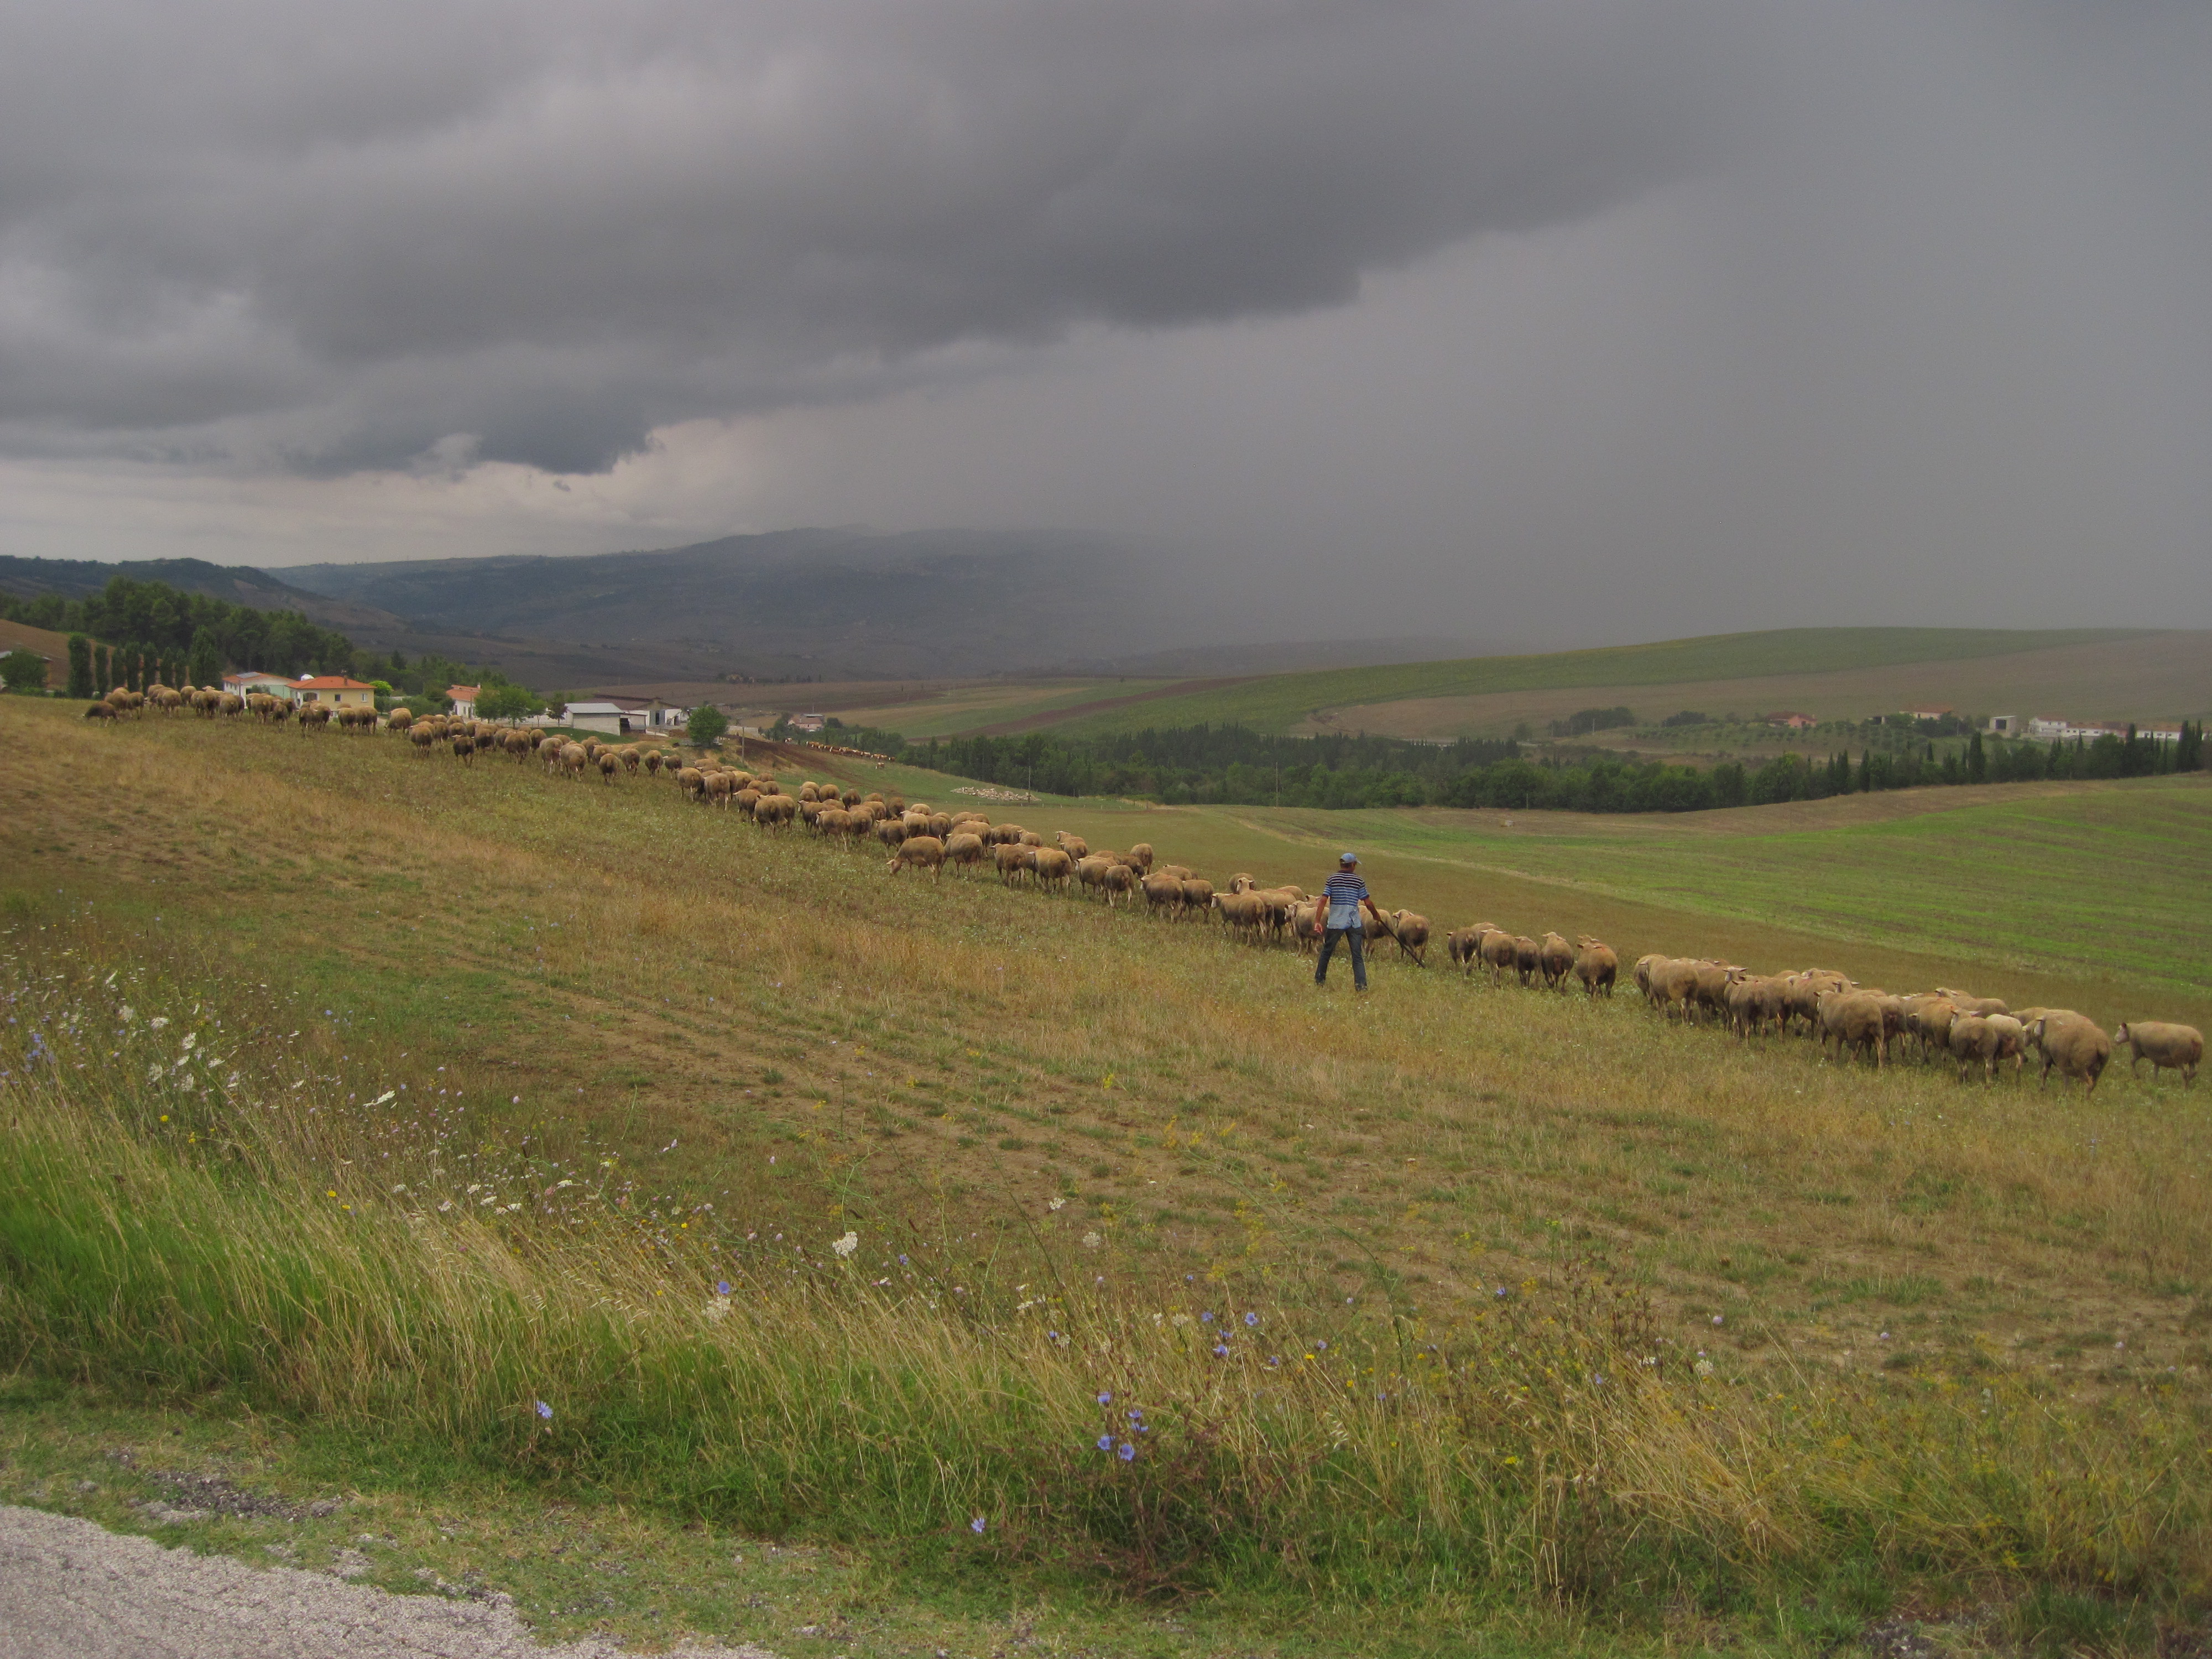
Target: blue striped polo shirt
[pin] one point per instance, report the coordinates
(1343, 890)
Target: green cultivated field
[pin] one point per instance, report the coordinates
(1282, 702)
(1570, 1329)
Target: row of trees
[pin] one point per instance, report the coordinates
(1229, 765)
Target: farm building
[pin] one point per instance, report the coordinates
(334, 691)
(1792, 720)
(465, 700)
(622, 716)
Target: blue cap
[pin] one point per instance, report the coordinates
(1348, 858)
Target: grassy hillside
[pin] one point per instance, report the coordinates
(1060, 1137)
(1285, 702)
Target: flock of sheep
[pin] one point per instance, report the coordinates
(1866, 1021)
(1847, 1018)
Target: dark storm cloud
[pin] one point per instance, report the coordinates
(340, 237)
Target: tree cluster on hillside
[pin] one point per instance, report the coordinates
(134, 633)
(1229, 765)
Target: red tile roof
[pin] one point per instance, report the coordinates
(331, 682)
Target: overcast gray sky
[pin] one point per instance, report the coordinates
(1564, 319)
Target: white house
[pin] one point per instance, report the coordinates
(465, 700)
(246, 684)
(2004, 726)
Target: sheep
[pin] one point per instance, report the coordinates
(1714, 978)
(100, 711)
(1973, 1005)
(1052, 867)
(1119, 881)
(2075, 1046)
(890, 831)
(1412, 932)
(1007, 835)
(691, 780)
(1163, 895)
(1928, 1020)
(1853, 1020)
(652, 762)
(314, 715)
(1596, 966)
(2167, 1046)
(610, 764)
(1528, 956)
(1012, 859)
(1140, 858)
(1554, 957)
(1989, 1038)
(1091, 873)
(776, 812)
(1075, 846)
(1241, 910)
(1197, 897)
(464, 748)
(1460, 944)
(922, 852)
(1673, 981)
(1180, 872)
(1500, 952)
(572, 761)
(1752, 1000)
(630, 760)
(964, 850)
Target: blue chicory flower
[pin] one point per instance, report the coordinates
(545, 1411)
(977, 1525)
(1105, 1442)
(1105, 1399)
(721, 1288)
(1129, 1451)
(1251, 1319)
(1222, 1349)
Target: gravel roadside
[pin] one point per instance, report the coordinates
(70, 1590)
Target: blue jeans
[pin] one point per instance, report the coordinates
(1355, 940)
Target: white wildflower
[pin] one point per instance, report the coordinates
(845, 1246)
(718, 1307)
(192, 1041)
(153, 1072)
(157, 1022)
(1704, 1368)
(1091, 1241)
(475, 1186)
(129, 1014)
(1055, 1202)
(385, 1098)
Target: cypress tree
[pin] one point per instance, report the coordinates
(80, 666)
(1978, 763)
(101, 668)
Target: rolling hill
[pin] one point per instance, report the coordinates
(1863, 670)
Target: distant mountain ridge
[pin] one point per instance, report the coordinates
(844, 602)
(76, 579)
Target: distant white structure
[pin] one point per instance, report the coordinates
(2004, 726)
(2058, 725)
(465, 700)
(809, 723)
(622, 717)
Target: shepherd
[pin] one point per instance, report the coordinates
(1337, 916)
